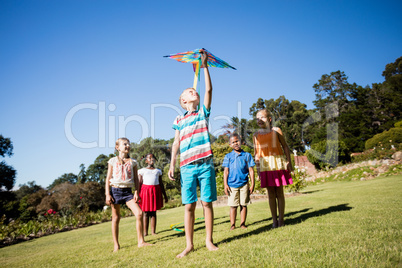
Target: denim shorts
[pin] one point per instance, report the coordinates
(122, 195)
(201, 173)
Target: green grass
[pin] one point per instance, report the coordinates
(335, 224)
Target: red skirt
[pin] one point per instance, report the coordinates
(151, 197)
(275, 178)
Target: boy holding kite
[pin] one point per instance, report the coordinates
(196, 159)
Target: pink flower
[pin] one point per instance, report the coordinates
(51, 211)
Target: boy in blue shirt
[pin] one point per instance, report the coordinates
(238, 166)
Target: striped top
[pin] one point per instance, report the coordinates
(194, 137)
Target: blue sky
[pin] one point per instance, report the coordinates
(76, 75)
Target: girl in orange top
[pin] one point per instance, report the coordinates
(272, 158)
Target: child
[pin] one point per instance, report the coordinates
(272, 157)
(196, 162)
(121, 177)
(238, 165)
(150, 192)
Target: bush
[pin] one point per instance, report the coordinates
(377, 153)
(299, 182)
(328, 153)
(385, 139)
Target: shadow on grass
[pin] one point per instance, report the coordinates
(311, 192)
(299, 219)
(286, 215)
(318, 213)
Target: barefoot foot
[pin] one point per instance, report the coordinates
(211, 246)
(185, 252)
(232, 227)
(116, 248)
(144, 244)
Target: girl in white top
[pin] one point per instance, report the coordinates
(151, 190)
(121, 177)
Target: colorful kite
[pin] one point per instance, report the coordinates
(194, 57)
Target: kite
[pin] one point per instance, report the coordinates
(194, 57)
(175, 228)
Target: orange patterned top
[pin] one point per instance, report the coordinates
(269, 150)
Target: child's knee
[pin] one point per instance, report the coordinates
(116, 218)
(207, 204)
(140, 214)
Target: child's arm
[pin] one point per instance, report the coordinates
(175, 149)
(136, 183)
(251, 175)
(286, 150)
(140, 182)
(109, 198)
(257, 157)
(208, 83)
(163, 189)
(225, 181)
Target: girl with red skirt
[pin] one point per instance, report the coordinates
(151, 191)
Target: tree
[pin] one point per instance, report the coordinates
(336, 105)
(6, 146)
(239, 126)
(7, 176)
(66, 177)
(92, 195)
(82, 175)
(289, 116)
(27, 189)
(98, 170)
(385, 100)
(159, 148)
(7, 173)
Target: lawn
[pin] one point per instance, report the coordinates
(334, 224)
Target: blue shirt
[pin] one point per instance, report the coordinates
(238, 165)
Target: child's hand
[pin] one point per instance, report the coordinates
(227, 190)
(136, 198)
(251, 189)
(166, 199)
(171, 174)
(109, 200)
(204, 58)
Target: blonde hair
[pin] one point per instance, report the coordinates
(117, 144)
(180, 98)
(266, 111)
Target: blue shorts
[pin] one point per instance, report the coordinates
(201, 173)
(122, 195)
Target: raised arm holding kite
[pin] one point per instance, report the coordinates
(194, 57)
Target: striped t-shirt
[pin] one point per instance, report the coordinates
(194, 136)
